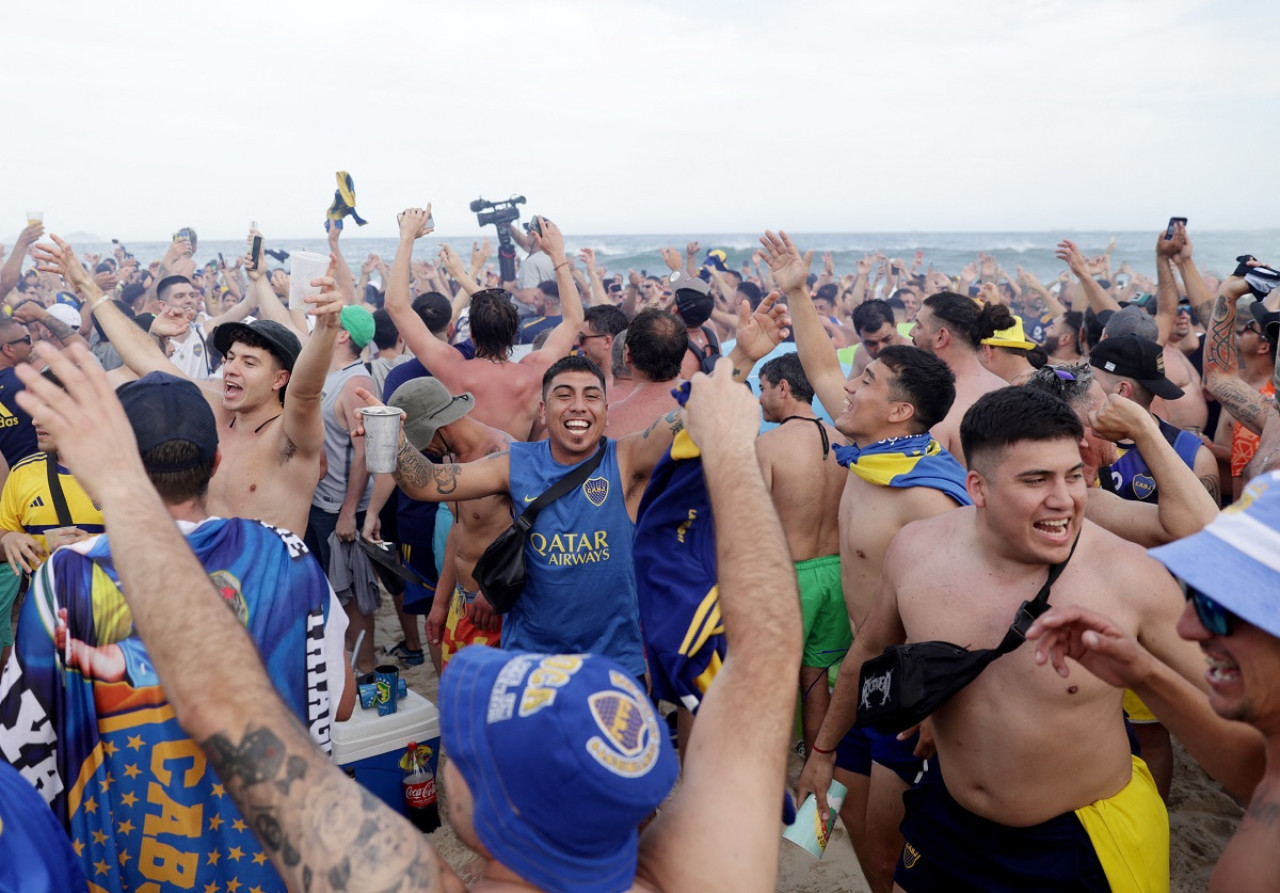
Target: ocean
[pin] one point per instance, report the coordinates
(1215, 251)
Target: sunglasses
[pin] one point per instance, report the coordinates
(1217, 620)
(1062, 373)
(583, 338)
(25, 339)
(1249, 327)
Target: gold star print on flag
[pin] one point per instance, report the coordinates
(219, 791)
(129, 798)
(239, 825)
(215, 822)
(214, 856)
(100, 837)
(132, 771)
(101, 868)
(135, 742)
(125, 827)
(233, 885)
(235, 853)
(124, 856)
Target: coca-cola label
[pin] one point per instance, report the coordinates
(420, 793)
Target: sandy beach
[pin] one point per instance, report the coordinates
(1202, 816)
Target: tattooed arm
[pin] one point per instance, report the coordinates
(1221, 369)
(321, 830)
(425, 481)
(638, 454)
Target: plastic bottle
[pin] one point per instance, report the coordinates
(420, 790)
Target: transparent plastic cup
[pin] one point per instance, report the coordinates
(303, 267)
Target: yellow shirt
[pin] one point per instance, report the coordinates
(26, 503)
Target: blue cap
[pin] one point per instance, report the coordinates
(718, 258)
(1236, 559)
(564, 756)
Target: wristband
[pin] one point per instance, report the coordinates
(817, 749)
(563, 263)
(98, 303)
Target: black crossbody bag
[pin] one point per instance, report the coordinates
(500, 571)
(904, 685)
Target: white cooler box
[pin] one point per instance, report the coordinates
(368, 747)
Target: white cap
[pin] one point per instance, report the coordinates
(65, 314)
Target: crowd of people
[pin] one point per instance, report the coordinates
(937, 448)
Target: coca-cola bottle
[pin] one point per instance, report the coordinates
(420, 789)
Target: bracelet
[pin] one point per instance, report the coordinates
(563, 263)
(98, 303)
(817, 749)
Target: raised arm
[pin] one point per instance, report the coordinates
(1099, 300)
(817, 353)
(138, 350)
(1166, 286)
(303, 424)
(1186, 504)
(430, 350)
(338, 267)
(11, 272)
(312, 821)
(565, 335)
(720, 832)
(1221, 365)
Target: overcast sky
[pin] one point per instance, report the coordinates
(132, 119)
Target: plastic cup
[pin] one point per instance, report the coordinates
(381, 438)
(34, 217)
(387, 680)
(303, 267)
(811, 831)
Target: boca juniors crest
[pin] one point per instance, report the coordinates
(629, 740)
(596, 490)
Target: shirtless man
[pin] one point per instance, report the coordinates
(951, 327)
(996, 736)
(902, 394)
(440, 425)
(657, 342)
(719, 832)
(1190, 410)
(271, 439)
(1230, 613)
(877, 328)
(601, 324)
(506, 393)
(806, 481)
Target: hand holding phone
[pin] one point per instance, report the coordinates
(1173, 223)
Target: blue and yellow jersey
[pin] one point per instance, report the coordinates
(95, 734)
(1130, 478)
(675, 553)
(17, 434)
(26, 503)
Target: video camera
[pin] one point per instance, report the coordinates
(500, 214)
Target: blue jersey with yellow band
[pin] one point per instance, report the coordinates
(1130, 478)
(17, 434)
(88, 725)
(675, 553)
(580, 587)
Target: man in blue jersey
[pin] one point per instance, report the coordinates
(83, 716)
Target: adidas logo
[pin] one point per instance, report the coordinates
(37, 502)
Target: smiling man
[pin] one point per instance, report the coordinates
(1095, 822)
(580, 592)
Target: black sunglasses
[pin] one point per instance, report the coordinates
(1212, 616)
(25, 339)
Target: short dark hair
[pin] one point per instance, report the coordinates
(787, 368)
(434, 310)
(572, 363)
(605, 319)
(169, 282)
(968, 321)
(385, 332)
(869, 316)
(177, 487)
(494, 323)
(1093, 324)
(751, 292)
(1002, 418)
(549, 288)
(658, 341)
(1072, 320)
(827, 292)
(922, 380)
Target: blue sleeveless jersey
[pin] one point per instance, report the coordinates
(1129, 476)
(100, 742)
(580, 588)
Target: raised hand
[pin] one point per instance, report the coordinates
(1069, 253)
(671, 258)
(413, 223)
(452, 263)
(691, 249)
(588, 257)
(61, 259)
(552, 239)
(1119, 419)
(790, 270)
(763, 330)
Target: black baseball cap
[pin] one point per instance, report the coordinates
(165, 409)
(1141, 359)
(1270, 321)
(280, 340)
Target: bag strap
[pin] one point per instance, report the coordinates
(562, 486)
(1031, 610)
(55, 490)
